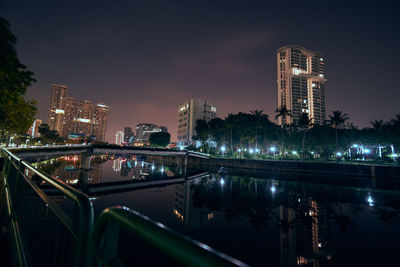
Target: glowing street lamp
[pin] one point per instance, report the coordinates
(272, 149)
(223, 148)
(251, 151)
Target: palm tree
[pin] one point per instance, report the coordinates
(396, 121)
(257, 116)
(283, 113)
(337, 119)
(304, 123)
(377, 126)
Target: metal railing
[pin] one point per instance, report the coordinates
(44, 234)
(179, 248)
(47, 231)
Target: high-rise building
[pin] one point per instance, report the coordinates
(188, 113)
(58, 101)
(69, 116)
(301, 83)
(144, 130)
(34, 129)
(100, 121)
(119, 137)
(129, 136)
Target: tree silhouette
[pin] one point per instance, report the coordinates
(337, 119)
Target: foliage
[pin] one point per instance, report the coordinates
(48, 136)
(16, 114)
(160, 139)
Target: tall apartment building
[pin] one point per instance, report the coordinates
(58, 101)
(144, 130)
(188, 113)
(301, 83)
(119, 137)
(68, 115)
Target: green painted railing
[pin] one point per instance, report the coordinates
(44, 233)
(179, 248)
(60, 231)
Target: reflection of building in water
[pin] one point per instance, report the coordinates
(304, 235)
(185, 212)
(117, 164)
(69, 170)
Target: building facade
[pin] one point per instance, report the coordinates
(119, 138)
(34, 129)
(70, 116)
(301, 83)
(188, 113)
(144, 130)
(129, 136)
(58, 102)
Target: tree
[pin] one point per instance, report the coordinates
(49, 136)
(16, 114)
(378, 126)
(160, 139)
(283, 113)
(216, 127)
(257, 117)
(337, 119)
(304, 123)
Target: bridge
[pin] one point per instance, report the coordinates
(44, 233)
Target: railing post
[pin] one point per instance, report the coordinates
(110, 244)
(84, 169)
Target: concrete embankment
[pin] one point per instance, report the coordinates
(324, 168)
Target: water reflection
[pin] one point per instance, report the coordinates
(98, 169)
(308, 216)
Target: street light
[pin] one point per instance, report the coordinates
(272, 149)
(251, 151)
(223, 148)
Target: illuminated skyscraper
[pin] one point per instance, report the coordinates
(301, 83)
(58, 101)
(188, 113)
(71, 116)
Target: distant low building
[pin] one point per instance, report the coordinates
(144, 130)
(34, 129)
(129, 136)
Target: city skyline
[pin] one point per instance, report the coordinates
(69, 116)
(170, 54)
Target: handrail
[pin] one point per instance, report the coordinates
(84, 206)
(181, 248)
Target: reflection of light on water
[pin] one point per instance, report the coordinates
(370, 201)
(273, 189)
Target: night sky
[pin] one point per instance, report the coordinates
(143, 58)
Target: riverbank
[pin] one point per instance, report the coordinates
(290, 166)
